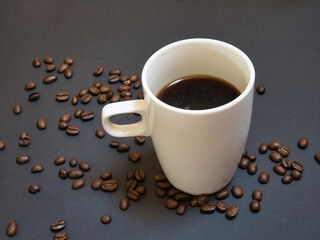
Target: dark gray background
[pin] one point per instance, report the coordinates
(280, 36)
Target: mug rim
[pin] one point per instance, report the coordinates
(223, 107)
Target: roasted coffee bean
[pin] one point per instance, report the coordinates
(98, 70)
(84, 166)
(182, 197)
(222, 194)
(317, 157)
(208, 208)
(140, 140)
(73, 162)
(34, 97)
(65, 117)
(83, 91)
(260, 89)
(296, 175)
(12, 229)
(297, 166)
(72, 131)
(17, 109)
(24, 139)
(284, 151)
(78, 112)
(63, 125)
(130, 175)
(137, 84)
(78, 184)
(68, 61)
(263, 148)
(100, 133)
(94, 90)
(102, 98)
(57, 225)
(37, 168)
(68, 73)
(86, 98)
(133, 194)
(22, 159)
(48, 60)
(132, 183)
(105, 89)
(279, 169)
(134, 77)
(127, 82)
(252, 168)
(245, 153)
(74, 100)
(75, 173)
(63, 173)
(244, 163)
(164, 185)
(109, 185)
(50, 79)
(2, 145)
(59, 160)
(252, 157)
(114, 143)
(232, 212)
(96, 184)
(115, 71)
(134, 157)
(141, 190)
(160, 178)
(161, 192)
(264, 177)
(140, 95)
(36, 62)
(173, 192)
(123, 147)
(126, 94)
(41, 124)
(97, 84)
(286, 179)
(87, 116)
(30, 85)
(50, 67)
(221, 206)
(34, 188)
(275, 157)
(181, 209)
(127, 98)
(257, 195)
(171, 203)
(105, 219)
(303, 143)
(63, 68)
(237, 191)
(255, 206)
(106, 175)
(124, 78)
(124, 204)
(24, 135)
(286, 163)
(274, 145)
(202, 199)
(139, 175)
(122, 88)
(60, 236)
(115, 98)
(62, 96)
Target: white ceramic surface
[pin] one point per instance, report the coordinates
(199, 150)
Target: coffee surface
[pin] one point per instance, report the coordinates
(198, 92)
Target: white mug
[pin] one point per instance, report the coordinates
(198, 150)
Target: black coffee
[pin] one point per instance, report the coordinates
(198, 92)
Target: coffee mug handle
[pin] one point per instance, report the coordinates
(140, 128)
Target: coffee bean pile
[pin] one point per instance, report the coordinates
(134, 191)
(56, 227)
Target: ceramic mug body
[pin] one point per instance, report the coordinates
(199, 150)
